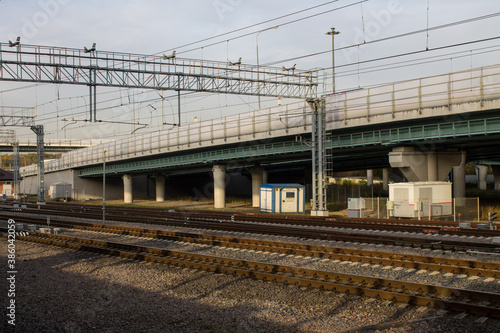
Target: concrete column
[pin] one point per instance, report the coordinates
(385, 178)
(432, 167)
(496, 175)
(127, 188)
(265, 176)
(459, 178)
(369, 177)
(160, 187)
(417, 166)
(482, 173)
(219, 186)
(257, 180)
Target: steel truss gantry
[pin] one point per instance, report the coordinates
(17, 116)
(9, 137)
(25, 117)
(34, 63)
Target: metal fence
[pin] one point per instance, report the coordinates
(375, 203)
(466, 210)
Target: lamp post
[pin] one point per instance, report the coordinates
(257, 50)
(103, 186)
(333, 32)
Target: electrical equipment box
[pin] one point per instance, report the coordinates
(420, 199)
(355, 207)
(282, 198)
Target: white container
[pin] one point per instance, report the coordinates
(282, 198)
(420, 199)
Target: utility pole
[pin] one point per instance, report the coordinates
(333, 32)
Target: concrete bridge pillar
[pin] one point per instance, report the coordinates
(219, 186)
(482, 173)
(369, 177)
(160, 187)
(127, 188)
(265, 176)
(257, 180)
(459, 178)
(418, 166)
(496, 175)
(385, 179)
(432, 167)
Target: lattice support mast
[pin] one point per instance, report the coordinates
(17, 179)
(38, 129)
(318, 204)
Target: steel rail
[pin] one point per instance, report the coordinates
(300, 232)
(443, 227)
(455, 266)
(454, 299)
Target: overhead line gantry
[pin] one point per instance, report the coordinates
(92, 67)
(46, 64)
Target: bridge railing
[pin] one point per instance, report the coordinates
(441, 91)
(398, 101)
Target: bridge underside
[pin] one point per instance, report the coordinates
(289, 160)
(32, 148)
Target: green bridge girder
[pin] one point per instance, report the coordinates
(249, 153)
(425, 132)
(296, 150)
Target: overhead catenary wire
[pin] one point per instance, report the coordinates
(406, 34)
(247, 27)
(368, 42)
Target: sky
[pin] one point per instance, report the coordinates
(161, 26)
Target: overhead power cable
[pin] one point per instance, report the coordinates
(249, 26)
(281, 24)
(448, 25)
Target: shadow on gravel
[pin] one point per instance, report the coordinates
(82, 292)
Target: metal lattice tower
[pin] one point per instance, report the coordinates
(38, 129)
(17, 179)
(318, 204)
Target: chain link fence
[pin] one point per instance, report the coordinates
(466, 210)
(375, 203)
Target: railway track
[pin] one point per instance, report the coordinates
(468, 267)
(454, 299)
(283, 230)
(118, 213)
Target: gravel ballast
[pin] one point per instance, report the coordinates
(58, 290)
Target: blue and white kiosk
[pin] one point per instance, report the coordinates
(282, 198)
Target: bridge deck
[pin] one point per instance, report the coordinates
(452, 97)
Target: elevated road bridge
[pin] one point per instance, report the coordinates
(424, 127)
(54, 146)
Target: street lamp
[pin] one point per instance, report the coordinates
(103, 186)
(257, 49)
(333, 32)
